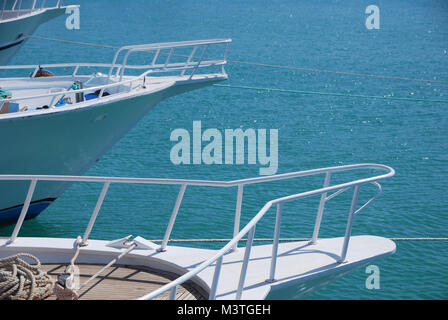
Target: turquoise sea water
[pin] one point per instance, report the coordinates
(314, 131)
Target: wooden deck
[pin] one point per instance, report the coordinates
(123, 282)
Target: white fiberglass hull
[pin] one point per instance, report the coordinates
(13, 31)
(67, 142)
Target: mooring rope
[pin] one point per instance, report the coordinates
(293, 239)
(72, 42)
(328, 93)
(66, 288)
(336, 72)
(129, 249)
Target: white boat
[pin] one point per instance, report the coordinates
(17, 23)
(63, 124)
(138, 268)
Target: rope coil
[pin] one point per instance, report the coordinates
(20, 280)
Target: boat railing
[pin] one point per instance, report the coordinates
(17, 9)
(156, 50)
(326, 193)
(191, 63)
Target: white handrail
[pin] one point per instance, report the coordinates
(21, 11)
(212, 183)
(159, 46)
(150, 69)
(248, 227)
(251, 224)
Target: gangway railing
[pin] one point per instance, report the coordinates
(327, 192)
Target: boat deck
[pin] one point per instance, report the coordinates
(298, 265)
(122, 282)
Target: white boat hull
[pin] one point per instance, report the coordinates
(68, 143)
(13, 31)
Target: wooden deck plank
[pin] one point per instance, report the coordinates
(123, 282)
